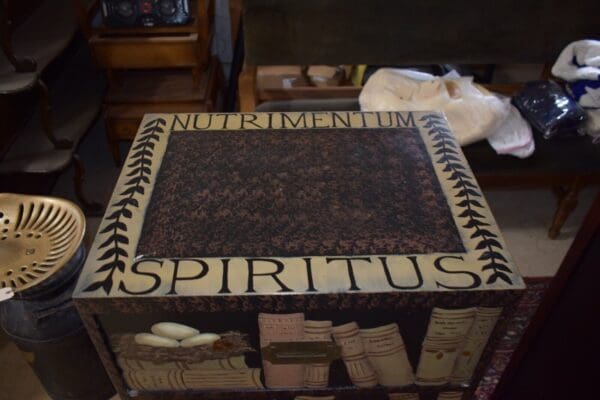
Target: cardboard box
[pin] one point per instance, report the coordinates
(338, 254)
(280, 77)
(326, 75)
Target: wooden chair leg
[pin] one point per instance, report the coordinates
(247, 89)
(91, 208)
(567, 202)
(46, 117)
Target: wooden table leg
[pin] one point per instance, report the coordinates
(567, 201)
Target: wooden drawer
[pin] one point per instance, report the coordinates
(149, 51)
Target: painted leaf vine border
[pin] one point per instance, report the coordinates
(446, 149)
(112, 250)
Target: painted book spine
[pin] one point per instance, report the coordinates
(281, 328)
(359, 368)
(386, 352)
(445, 335)
(476, 340)
(317, 375)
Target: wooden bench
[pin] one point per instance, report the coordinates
(383, 32)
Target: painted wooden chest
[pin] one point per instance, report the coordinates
(297, 256)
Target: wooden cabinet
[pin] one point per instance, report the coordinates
(340, 255)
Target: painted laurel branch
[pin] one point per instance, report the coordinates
(112, 249)
(467, 195)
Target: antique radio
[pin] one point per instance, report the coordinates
(123, 13)
(315, 255)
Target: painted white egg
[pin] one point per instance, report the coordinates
(149, 339)
(201, 339)
(173, 330)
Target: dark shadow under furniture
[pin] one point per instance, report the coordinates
(558, 355)
(34, 52)
(384, 32)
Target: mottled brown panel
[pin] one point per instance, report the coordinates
(294, 193)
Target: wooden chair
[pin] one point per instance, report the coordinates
(47, 144)
(381, 32)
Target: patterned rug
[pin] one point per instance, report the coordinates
(536, 288)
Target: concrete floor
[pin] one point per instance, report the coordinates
(523, 216)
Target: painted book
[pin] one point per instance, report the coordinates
(359, 367)
(474, 343)
(317, 375)
(386, 351)
(281, 328)
(445, 335)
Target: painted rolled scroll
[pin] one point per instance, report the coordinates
(444, 338)
(386, 352)
(317, 375)
(281, 328)
(359, 368)
(478, 336)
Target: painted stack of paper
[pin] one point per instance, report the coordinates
(353, 251)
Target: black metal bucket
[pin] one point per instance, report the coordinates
(46, 327)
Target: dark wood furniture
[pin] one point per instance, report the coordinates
(154, 91)
(558, 355)
(180, 46)
(407, 33)
(259, 227)
(157, 69)
(46, 145)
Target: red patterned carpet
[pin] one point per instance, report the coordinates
(536, 287)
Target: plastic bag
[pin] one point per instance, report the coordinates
(513, 136)
(592, 125)
(549, 109)
(472, 114)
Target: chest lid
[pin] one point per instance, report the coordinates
(288, 203)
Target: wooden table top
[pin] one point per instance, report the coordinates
(296, 202)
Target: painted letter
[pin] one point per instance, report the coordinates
(439, 267)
